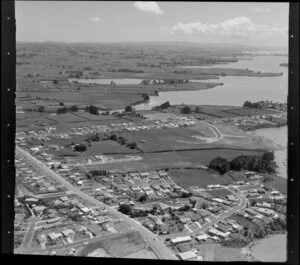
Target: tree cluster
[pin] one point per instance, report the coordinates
(80, 148)
(92, 110)
(249, 104)
(264, 163)
(186, 110)
(65, 109)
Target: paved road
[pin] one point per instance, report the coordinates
(159, 248)
(29, 234)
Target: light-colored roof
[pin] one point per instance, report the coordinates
(187, 255)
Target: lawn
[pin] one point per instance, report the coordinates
(201, 178)
(108, 146)
(66, 118)
(220, 193)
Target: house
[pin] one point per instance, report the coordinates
(185, 220)
(202, 237)
(230, 197)
(188, 255)
(218, 233)
(68, 232)
(54, 236)
(164, 207)
(251, 212)
(145, 175)
(224, 228)
(182, 239)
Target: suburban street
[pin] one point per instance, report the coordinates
(243, 202)
(150, 238)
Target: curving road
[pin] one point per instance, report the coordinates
(159, 248)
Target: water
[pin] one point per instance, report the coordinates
(258, 63)
(278, 136)
(118, 81)
(272, 249)
(236, 89)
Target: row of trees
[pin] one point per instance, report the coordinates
(249, 104)
(262, 164)
(121, 140)
(65, 110)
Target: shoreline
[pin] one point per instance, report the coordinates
(248, 250)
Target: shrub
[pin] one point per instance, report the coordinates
(80, 148)
(186, 110)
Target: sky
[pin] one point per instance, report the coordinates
(254, 23)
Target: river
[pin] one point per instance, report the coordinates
(271, 249)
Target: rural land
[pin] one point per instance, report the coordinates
(96, 176)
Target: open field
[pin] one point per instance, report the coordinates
(216, 252)
(155, 161)
(220, 193)
(108, 146)
(196, 177)
(117, 246)
(142, 254)
(250, 111)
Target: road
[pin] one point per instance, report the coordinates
(159, 248)
(29, 234)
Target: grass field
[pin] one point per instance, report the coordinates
(108, 146)
(118, 246)
(172, 160)
(220, 193)
(193, 177)
(250, 111)
(244, 222)
(216, 252)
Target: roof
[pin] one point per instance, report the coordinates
(187, 255)
(181, 239)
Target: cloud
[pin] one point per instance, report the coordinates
(261, 9)
(95, 19)
(151, 7)
(239, 27)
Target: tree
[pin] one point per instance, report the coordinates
(125, 208)
(128, 109)
(61, 110)
(95, 137)
(186, 110)
(145, 96)
(198, 109)
(220, 164)
(80, 148)
(92, 109)
(113, 137)
(61, 104)
(269, 156)
(142, 198)
(132, 145)
(74, 108)
(41, 109)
